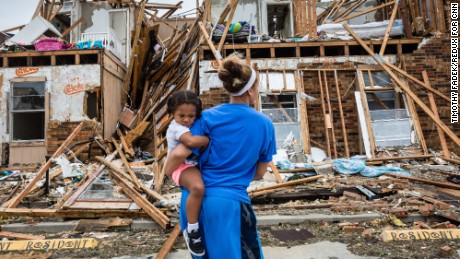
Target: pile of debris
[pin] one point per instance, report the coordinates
(128, 182)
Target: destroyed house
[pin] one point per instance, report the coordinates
(323, 88)
(338, 79)
(65, 66)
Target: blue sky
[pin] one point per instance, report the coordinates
(18, 12)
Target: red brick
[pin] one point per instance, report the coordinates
(352, 229)
(446, 250)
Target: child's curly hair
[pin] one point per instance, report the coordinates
(184, 97)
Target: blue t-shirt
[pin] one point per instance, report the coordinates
(239, 137)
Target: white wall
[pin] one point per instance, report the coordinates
(247, 10)
(65, 85)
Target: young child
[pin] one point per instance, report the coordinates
(185, 107)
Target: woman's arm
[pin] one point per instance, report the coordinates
(175, 159)
(261, 169)
(193, 141)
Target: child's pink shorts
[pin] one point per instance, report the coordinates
(176, 173)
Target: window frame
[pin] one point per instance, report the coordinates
(12, 112)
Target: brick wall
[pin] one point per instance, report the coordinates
(434, 58)
(315, 113)
(214, 97)
(58, 132)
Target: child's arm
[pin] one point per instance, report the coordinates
(175, 159)
(193, 141)
(261, 169)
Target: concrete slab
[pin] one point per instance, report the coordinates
(320, 250)
(147, 224)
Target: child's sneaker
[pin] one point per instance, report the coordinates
(194, 243)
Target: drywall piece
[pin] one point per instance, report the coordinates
(362, 125)
(32, 31)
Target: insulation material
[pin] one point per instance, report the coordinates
(276, 81)
(364, 31)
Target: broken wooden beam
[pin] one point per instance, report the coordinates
(435, 183)
(15, 201)
(141, 201)
(125, 162)
(117, 170)
(399, 158)
(269, 189)
(406, 90)
(71, 213)
(168, 244)
(13, 235)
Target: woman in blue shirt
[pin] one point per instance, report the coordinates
(242, 142)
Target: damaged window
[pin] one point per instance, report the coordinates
(283, 111)
(27, 111)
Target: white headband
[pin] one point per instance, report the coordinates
(248, 85)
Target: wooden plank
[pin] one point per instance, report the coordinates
(405, 19)
(38, 9)
(329, 107)
(390, 26)
(455, 161)
(68, 201)
(14, 235)
(143, 187)
(27, 256)
(68, 30)
(410, 235)
(49, 244)
(70, 214)
(15, 201)
(128, 149)
(281, 108)
(432, 8)
(396, 158)
(137, 33)
(323, 108)
(100, 225)
(276, 172)
(168, 244)
(14, 28)
(216, 54)
(418, 127)
(377, 100)
(125, 162)
(440, 15)
(342, 118)
(434, 108)
(427, 110)
(227, 26)
(427, 87)
(423, 180)
(268, 189)
(151, 210)
(91, 205)
(305, 130)
(50, 10)
(300, 16)
(140, 200)
(367, 114)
